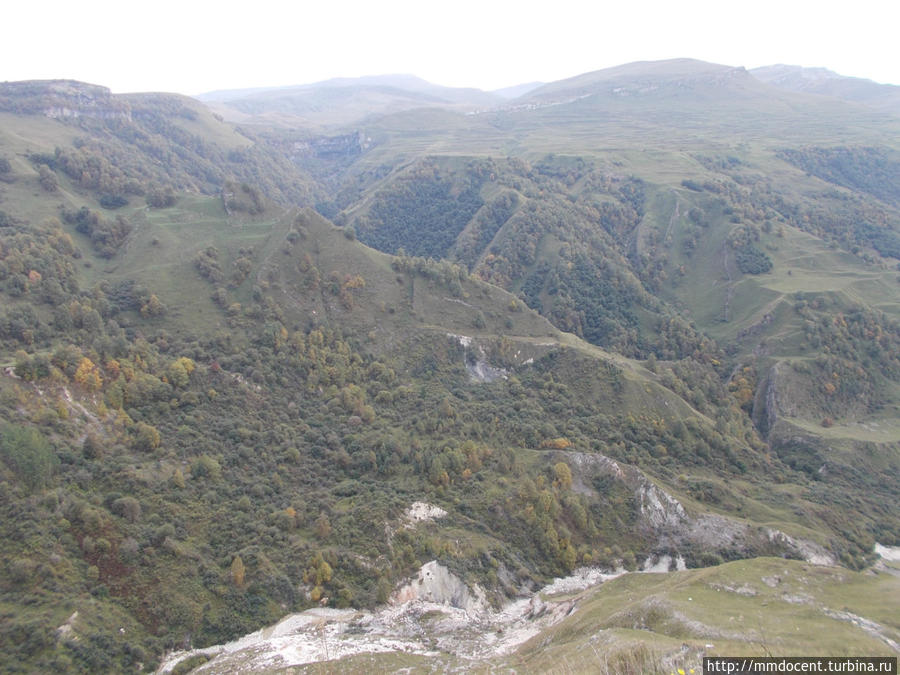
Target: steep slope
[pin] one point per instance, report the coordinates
(624, 215)
(127, 146)
(198, 467)
(652, 622)
(215, 410)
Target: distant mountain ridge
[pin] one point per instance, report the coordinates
(517, 90)
(826, 82)
(344, 100)
(642, 76)
(349, 100)
(400, 82)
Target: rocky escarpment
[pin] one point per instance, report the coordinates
(61, 99)
(665, 520)
(765, 402)
(332, 147)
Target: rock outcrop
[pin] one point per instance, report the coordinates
(436, 584)
(664, 518)
(61, 99)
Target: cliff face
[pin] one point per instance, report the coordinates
(61, 99)
(333, 147)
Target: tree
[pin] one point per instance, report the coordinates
(323, 526)
(563, 475)
(92, 446)
(146, 437)
(153, 307)
(87, 375)
(47, 178)
(569, 556)
(237, 571)
(161, 198)
(179, 373)
(29, 454)
(128, 508)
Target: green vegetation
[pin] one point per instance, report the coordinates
(424, 214)
(216, 406)
(751, 260)
(875, 171)
(28, 454)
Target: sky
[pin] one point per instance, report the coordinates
(195, 46)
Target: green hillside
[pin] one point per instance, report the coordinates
(591, 330)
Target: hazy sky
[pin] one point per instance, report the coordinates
(193, 46)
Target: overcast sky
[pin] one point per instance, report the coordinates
(193, 46)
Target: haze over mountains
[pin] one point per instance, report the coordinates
(346, 100)
(827, 83)
(393, 356)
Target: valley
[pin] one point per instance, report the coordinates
(272, 359)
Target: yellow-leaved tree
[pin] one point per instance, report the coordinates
(87, 375)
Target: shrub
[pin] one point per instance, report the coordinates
(145, 438)
(751, 260)
(113, 201)
(128, 508)
(47, 178)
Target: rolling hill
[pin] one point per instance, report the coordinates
(644, 312)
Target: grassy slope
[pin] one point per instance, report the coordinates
(755, 608)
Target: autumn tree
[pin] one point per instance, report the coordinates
(178, 373)
(563, 475)
(153, 307)
(88, 375)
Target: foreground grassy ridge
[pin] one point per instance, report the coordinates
(756, 607)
